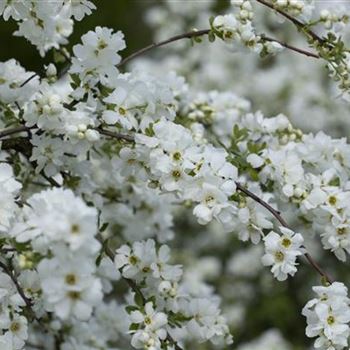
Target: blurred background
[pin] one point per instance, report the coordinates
(263, 313)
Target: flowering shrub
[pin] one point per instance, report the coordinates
(102, 170)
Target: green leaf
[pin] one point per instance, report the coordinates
(138, 299)
(130, 308)
(98, 260)
(104, 227)
(76, 80)
(211, 37)
(134, 327)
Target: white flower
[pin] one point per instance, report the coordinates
(46, 111)
(80, 8)
(57, 215)
(98, 56)
(124, 103)
(150, 319)
(69, 286)
(136, 261)
(255, 161)
(6, 341)
(18, 331)
(211, 201)
(227, 25)
(206, 322)
(152, 327)
(161, 269)
(328, 317)
(281, 252)
(252, 219)
(12, 76)
(9, 188)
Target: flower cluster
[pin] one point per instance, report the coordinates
(126, 158)
(238, 29)
(199, 173)
(45, 24)
(328, 317)
(68, 231)
(297, 8)
(172, 309)
(14, 325)
(12, 77)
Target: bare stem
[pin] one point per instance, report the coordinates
(189, 35)
(115, 135)
(15, 130)
(292, 48)
(29, 79)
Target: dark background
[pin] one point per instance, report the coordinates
(124, 15)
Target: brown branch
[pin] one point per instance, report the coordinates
(15, 130)
(49, 179)
(29, 79)
(300, 25)
(290, 47)
(278, 216)
(11, 274)
(189, 35)
(115, 135)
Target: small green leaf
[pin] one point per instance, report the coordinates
(130, 308)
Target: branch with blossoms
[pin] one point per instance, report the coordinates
(121, 156)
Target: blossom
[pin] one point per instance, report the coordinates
(9, 189)
(12, 76)
(328, 316)
(281, 252)
(80, 8)
(72, 290)
(18, 331)
(98, 55)
(57, 215)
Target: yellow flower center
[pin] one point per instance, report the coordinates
(176, 174)
(332, 200)
(71, 279)
(177, 156)
(133, 260)
(286, 242)
(279, 256)
(15, 327)
(122, 111)
(74, 295)
(330, 320)
(341, 231)
(75, 229)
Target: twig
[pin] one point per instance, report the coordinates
(115, 135)
(290, 47)
(49, 179)
(9, 272)
(15, 130)
(29, 79)
(278, 216)
(300, 25)
(189, 35)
